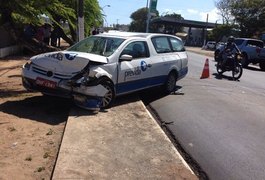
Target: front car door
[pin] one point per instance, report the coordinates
(137, 73)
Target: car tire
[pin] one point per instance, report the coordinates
(262, 65)
(110, 95)
(170, 84)
(244, 60)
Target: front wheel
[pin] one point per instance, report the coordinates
(219, 67)
(237, 71)
(110, 95)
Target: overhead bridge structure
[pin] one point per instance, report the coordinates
(190, 39)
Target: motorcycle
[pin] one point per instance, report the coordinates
(232, 64)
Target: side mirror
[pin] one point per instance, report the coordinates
(126, 57)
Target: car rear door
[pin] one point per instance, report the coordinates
(170, 55)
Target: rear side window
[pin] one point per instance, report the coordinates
(164, 44)
(161, 44)
(253, 43)
(177, 45)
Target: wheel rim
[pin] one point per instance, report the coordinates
(108, 97)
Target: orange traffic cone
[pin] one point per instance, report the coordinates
(205, 71)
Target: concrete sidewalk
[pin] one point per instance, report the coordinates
(124, 142)
(201, 51)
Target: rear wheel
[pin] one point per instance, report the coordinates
(170, 84)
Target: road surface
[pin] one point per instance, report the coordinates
(219, 122)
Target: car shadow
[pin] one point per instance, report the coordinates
(150, 95)
(46, 109)
(54, 110)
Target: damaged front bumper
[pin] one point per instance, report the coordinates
(86, 93)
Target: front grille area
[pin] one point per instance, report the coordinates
(56, 75)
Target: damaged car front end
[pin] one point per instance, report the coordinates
(72, 74)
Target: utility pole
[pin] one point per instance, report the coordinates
(81, 31)
(117, 24)
(148, 17)
(205, 32)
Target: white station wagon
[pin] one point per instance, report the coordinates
(97, 69)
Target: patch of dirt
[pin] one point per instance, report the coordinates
(31, 125)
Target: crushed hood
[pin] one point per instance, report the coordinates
(66, 61)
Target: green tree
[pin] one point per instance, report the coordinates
(17, 13)
(139, 19)
(172, 29)
(224, 10)
(248, 14)
(221, 31)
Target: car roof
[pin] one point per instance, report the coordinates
(127, 35)
(249, 39)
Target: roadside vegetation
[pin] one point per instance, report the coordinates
(61, 15)
(241, 18)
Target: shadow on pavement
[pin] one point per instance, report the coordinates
(50, 110)
(55, 110)
(151, 95)
(222, 76)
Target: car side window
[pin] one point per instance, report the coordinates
(177, 45)
(161, 44)
(138, 49)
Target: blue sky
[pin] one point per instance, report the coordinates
(120, 10)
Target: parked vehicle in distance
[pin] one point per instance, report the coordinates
(108, 65)
(210, 45)
(250, 49)
(219, 44)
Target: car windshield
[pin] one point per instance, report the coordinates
(104, 46)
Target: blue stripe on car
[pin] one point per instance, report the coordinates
(139, 84)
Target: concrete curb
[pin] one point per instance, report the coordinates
(166, 137)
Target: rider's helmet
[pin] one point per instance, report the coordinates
(231, 39)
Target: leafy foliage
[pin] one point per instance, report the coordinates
(18, 13)
(248, 14)
(172, 29)
(221, 31)
(139, 19)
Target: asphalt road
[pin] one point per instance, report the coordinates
(219, 122)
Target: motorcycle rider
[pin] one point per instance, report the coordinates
(229, 49)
